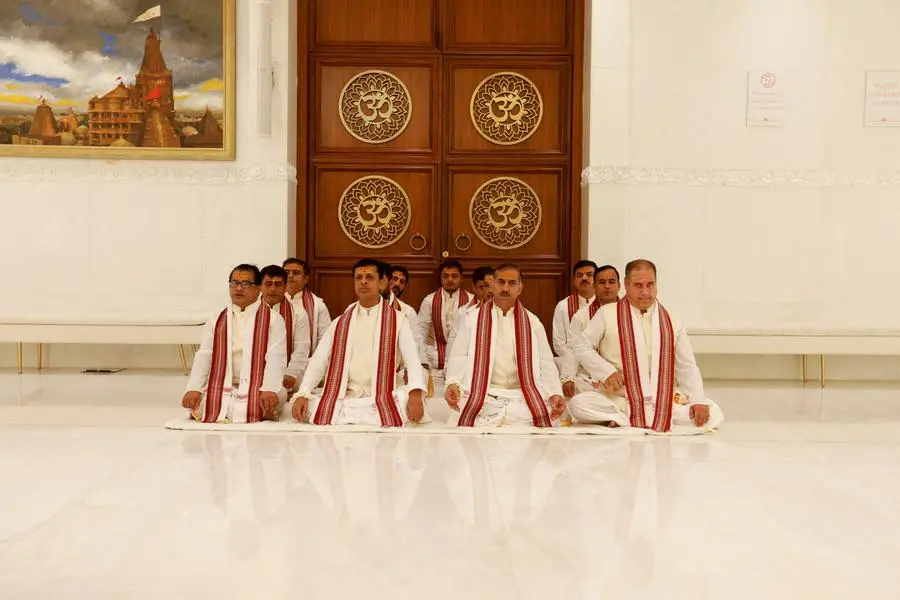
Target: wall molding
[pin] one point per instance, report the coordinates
(148, 173)
(768, 178)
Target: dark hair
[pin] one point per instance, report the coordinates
(370, 262)
(384, 270)
(582, 264)
(273, 271)
(257, 278)
(640, 263)
(401, 268)
(481, 273)
(606, 268)
(509, 267)
(297, 261)
(451, 264)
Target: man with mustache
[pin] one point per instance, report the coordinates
(641, 361)
(298, 292)
(296, 326)
(583, 284)
(435, 319)
(238, 371)
(606, 291)
(358, 359)
(501, 371)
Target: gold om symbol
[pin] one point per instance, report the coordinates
(374, 212)
(508, 212)
(375, 106)
(507, 108)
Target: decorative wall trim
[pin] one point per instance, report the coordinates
(771, 178)
(207, 174)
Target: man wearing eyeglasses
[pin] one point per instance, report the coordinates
(301, 297)
(238, 371)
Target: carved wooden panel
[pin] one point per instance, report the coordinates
(376, 107)
(425, 169)
(508, 107)
(365, 211)
(544, 26)
(509, 214)
(375, 22)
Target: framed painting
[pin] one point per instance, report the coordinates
(118, 79)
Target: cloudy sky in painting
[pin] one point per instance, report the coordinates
(70, 50)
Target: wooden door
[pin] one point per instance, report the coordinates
(435, 129)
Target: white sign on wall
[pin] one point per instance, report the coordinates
(882, 99)
(765, 100)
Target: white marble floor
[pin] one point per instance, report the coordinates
(798, 496)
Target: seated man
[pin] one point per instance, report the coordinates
(583, 284)
(435, 318)
(238, 371)
(632, 347)
(358, 358)
(482, 280)
(296, 325)
(297, 291)
(501, 371)
(576, 379)
(398, 278)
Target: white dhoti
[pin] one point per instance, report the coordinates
(594, 407)
(501, 408)
(237, 403)
(362, 410)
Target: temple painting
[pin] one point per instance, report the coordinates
(119, 79)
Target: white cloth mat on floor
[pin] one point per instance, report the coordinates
(288, 424)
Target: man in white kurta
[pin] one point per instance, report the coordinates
(482, 283)
(296, 323)
(297, 291)
(435, 319)
(238, 371)
(641, 362)
(358, 358)
(502, 371)
(583, 294)
(575, 378)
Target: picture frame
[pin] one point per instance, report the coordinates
(177, 103)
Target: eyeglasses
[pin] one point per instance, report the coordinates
(244, 284)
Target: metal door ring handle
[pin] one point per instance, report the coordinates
(414, 246)
(459, 247)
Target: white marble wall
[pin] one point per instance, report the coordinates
(154, 233)
(759, 227)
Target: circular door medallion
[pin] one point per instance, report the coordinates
(374, 211)
(505, 213)
(375, 106)
(506, 108)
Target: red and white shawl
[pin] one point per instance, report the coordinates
(524, 361)
(572, 305)
(665, 387)
(220, 368)
(287, 313)
(309, 305)
(593, 308)
(437, 322)
(385, 370)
